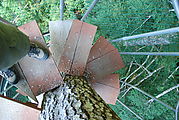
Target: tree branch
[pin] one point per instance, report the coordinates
(129, 110)
(132, 86)
(164, 92)
(140, 81)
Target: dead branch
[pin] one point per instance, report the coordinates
(133, 86)
(149, 76)
(141, 81)
(141, 24)
(122, 86)
(140, 48)
(143, 70)
(164, 92)
(142, 67)
(176, 112)
(173, 73)
(129, 110)
(129, 68)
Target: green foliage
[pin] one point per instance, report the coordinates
(115, 19)
(74, 9)
(23, 11)
(20, 97)
(124, 16)
(138, 103)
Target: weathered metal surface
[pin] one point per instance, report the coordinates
(59, 31)
(77, 48)
(83, 49)
(111, 80)
(100, 48)
(110, 84)
(70, 46)
(13, 110)
(102, 63)
(22, 84)
(42, 76)
(107, 93)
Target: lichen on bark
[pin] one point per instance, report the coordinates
(75, 100)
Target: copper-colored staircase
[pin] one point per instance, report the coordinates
(72, 53)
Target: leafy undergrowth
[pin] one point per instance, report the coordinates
(115, 19)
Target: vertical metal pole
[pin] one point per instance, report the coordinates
(16, 95)
(161, 32)
(1, 83)
(151, 53)
(89, 10)
(176, 112)
(130, 110)
(61, 9)
(175, 4)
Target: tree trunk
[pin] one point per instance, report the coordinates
(75, 100)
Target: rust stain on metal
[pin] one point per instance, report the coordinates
(70, 46)
(14, 110)
(83, 48)
(101, 64)
(107, 93)
(42, 76)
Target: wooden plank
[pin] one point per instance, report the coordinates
(13, 110)
(42, 76)
(70, 47)
(83, 49)
(59, 31)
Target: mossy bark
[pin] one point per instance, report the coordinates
(75, 100)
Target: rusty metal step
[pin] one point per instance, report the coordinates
(103, 60)
(41, 76)
(76, 37)
(108, 88)
(14, 110)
